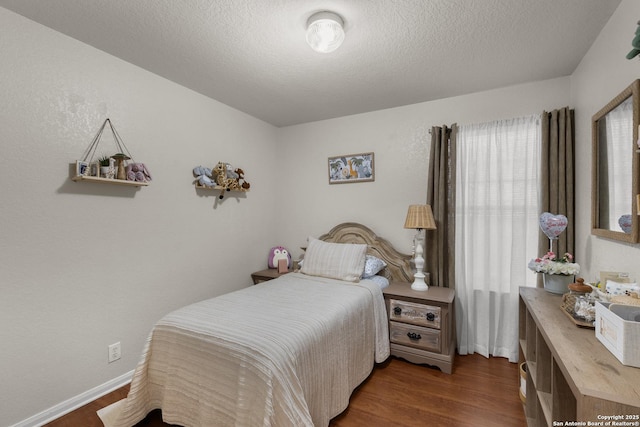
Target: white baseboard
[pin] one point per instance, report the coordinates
(74, 403)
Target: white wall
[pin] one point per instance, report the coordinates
(603, 73)
(71, 282)
(86, 265)
(400, 139)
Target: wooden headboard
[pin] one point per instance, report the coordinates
(398, 264)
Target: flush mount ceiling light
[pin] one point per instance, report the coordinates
(324, 31)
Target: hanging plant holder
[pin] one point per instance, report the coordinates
(119, 168)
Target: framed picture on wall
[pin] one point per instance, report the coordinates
(351, 168)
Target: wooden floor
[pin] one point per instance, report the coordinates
(480, 392)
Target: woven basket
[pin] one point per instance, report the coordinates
(523, 382)
(568, 303)
(625, 299)
(568, 307)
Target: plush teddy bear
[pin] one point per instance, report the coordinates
(240, 174)
(230, 172)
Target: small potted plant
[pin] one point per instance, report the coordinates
(105, 162)
(557, 272)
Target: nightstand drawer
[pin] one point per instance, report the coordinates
(417, 314)
(415, 336)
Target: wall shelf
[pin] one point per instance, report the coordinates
(79, 178)
(219, 188)
(117, 169)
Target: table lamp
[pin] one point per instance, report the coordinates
(419, 217)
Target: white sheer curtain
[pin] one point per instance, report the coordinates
(497, 212)
(619, 129)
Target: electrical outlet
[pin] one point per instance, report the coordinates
(115, 352)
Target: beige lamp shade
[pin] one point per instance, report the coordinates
(420, 217)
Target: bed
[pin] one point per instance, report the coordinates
(288, 352)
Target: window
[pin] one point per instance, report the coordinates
(497, 211)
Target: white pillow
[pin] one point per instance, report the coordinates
(616, 288)
(372, 266)
(381, 281)
(342, 261)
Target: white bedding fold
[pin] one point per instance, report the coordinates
(285, 352)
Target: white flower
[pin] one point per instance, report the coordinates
(549, 264)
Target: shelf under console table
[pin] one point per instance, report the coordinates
(571, 376)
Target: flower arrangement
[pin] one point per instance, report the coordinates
(551, 264)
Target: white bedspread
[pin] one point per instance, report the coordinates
(288, 352)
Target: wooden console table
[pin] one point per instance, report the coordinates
(571, 376)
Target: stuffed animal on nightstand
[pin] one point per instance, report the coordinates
(276, 254)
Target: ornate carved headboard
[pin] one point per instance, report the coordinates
(398, 264)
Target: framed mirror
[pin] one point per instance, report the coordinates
(615, 182)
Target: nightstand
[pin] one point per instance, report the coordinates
(265, 275)
(421, 324)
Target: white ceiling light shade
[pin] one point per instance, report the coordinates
(325, 31)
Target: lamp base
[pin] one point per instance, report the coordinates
(419, 283)
(418, 277)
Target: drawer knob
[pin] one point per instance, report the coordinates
(431, 317)
(413, 335)
(397, 311)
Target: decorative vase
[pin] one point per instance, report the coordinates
(557, 283)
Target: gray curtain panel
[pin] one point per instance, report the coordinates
(439, 248)
(558, 177)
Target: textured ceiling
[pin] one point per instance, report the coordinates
(252, 55)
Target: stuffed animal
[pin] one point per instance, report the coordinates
(223, 176)
(224, 182)
(230, 172)
(277, 253)
(204, 176)
(137, 172)
(240, 174)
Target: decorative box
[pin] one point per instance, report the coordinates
(621, 337)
